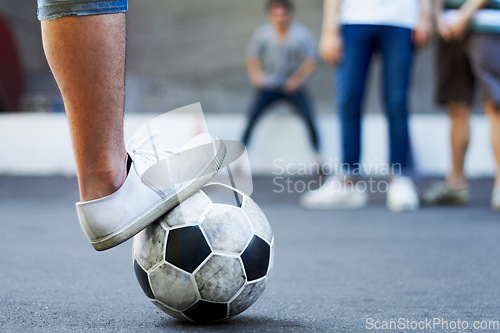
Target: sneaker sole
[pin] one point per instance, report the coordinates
(338, 206)
(163, 206)
(398, 208)
(446, 202)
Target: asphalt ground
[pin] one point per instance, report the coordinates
(335, 271)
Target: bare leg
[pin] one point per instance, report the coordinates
(460, 136)
(493, 111)
(87, 57)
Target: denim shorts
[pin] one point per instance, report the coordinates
(51, 9)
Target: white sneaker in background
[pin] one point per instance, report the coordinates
(335, 194)
(402, 195)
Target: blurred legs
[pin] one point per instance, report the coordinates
(397, 52)
(493, 111)
(351, 84)
(459, 137)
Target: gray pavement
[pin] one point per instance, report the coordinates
(334, 271)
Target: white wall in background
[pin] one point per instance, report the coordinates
(39, 144)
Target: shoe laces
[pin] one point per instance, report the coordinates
(148, 155)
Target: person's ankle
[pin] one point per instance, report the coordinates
(351, 180)
(98, 184)
(457, 182)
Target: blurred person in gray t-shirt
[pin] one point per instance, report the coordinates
(281, 56)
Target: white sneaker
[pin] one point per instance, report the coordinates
(402, 195)
(335, 194)
(156, 183)
(495, 199)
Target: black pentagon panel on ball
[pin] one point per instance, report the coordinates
(142, 277)
(186, 248)
(256, 258)
(204, 311)
(219, 194)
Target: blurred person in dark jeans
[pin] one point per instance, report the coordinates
(468, 56)
(281, 56)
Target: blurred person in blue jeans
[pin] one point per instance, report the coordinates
(354, 31)
(281, 57)
(468, 55)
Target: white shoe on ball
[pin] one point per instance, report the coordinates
(157, 181)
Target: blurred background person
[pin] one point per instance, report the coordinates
(353, 31)
(468, 54)
(281, 57)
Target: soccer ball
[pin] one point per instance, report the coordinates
(209, 258)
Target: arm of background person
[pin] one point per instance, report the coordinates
(330, 43)
(460, 22)
(423, 30)
(257, 77)
(440, 21)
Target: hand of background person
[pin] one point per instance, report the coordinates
(443, 28)
(331, 47)
(258, 80)
(291, 85)
(422, 32)
(457, 26)
(255, 73)
(453, 26)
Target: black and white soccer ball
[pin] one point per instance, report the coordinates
(209, 258)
